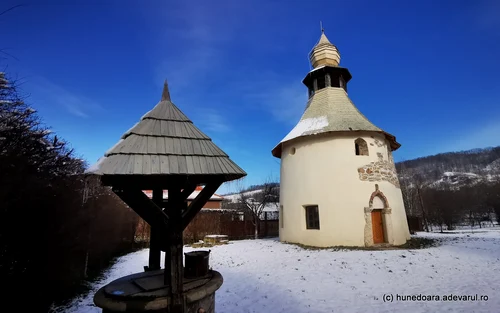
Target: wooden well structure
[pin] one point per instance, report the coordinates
(164, 151)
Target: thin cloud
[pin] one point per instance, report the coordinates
(286, 102)
(198, 36)
(200, 32)
(289, 103)
(211, 121)
(74, 104)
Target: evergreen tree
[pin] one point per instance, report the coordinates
(31, 158)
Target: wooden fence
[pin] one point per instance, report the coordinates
(220, 222)
(236, 229)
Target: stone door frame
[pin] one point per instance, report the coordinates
(386, 218)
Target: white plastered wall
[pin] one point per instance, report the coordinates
(324, 171)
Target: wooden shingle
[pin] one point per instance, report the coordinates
(166, 142)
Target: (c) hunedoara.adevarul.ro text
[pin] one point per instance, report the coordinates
(389, 297)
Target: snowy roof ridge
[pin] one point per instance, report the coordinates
(330, 110)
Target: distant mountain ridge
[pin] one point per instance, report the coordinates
(449, 170)
(442, 190)
(453, 170)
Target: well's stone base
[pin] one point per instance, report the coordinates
(207, 303)
(145, 292)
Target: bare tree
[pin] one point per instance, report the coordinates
(493, 199)
(255, 202)
(441, 208)
(412, 184)
(479, 211)
(408, 190)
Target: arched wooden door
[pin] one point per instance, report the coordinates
(377, 227)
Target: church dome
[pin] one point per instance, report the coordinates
(324, 53)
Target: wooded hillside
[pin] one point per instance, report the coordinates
(453, 188)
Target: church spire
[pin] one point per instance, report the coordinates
(324, 53)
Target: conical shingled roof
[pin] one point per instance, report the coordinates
(331, 110)
(166, 142)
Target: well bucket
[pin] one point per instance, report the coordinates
(196, 263)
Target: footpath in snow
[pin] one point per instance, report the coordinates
(268, 276)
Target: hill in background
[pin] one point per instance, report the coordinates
(444, 190)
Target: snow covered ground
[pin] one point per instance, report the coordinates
(268, 276)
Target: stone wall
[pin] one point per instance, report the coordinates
(382, 170)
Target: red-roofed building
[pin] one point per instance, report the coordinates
(214, 202)
(213, 219)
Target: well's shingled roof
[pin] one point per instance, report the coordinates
(166, 142)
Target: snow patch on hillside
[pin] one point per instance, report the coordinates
(448, 174)
(455, 180)
(234, 197)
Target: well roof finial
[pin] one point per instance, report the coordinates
(165, 96)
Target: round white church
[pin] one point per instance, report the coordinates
(338, 182)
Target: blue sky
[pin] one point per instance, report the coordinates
(425, 71)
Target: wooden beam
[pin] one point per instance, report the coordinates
(144, 207)
(199, 202)
(156, 236)
(190, 188)
(149, 211)
(174, 255)
(143, 213)
(185, 193)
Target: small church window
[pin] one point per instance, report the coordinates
(361, 147)
(312, 217)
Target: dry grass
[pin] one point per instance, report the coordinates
(413, 243)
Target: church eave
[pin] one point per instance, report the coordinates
(327, 69)
(277, 150)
